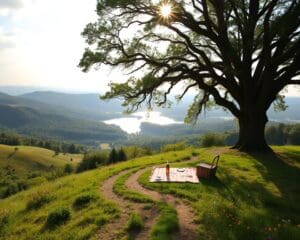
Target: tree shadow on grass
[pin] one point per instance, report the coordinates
(278, 169)
(223, 189)
(259, 204)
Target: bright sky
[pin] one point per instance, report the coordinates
(41, 45)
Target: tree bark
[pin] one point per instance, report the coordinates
(252, 131)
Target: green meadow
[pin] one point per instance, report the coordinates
(22, 167)
(25, 159)
(253, 197)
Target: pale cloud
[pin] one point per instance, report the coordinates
(11, 4)
(10, 7)
(46, 46)
(6, 41)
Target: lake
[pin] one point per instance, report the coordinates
(132, 124)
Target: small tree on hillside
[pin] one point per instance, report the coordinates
(121, 155)
(113, 156)
(68, 168)
(72, 148)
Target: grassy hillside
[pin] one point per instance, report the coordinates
(26, 165)
(20, 222)
(30, 121)
(83, 106)
(88, 105)
(27, 159)
(253, 197)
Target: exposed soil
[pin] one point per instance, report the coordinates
(188, 228)
(112, 230)
(115, 229)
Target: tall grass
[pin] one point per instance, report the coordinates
(120, 189)
(84, 221)
(167, 223)
(253, 197)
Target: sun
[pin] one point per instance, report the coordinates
(166, 10)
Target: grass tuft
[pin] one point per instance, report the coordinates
(38, 199)
(4, 221)
(83, 200)
(135, 223)
(102, 220)
(58, 217)
(167, 223)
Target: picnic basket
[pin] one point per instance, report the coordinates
(205, 170)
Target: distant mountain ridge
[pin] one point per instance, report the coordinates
(78, 117)
(91, 106)
(87, 105)
(30, 117)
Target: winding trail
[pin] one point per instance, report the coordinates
(188, 228)
(112, 230)
(115, 230)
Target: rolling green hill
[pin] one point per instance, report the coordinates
(28, 159)
(83, 106)
(30, 121)
(23, 166)
(253, 197)
(88, 105)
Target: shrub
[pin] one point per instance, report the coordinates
(4, 220)
(101, 220)
(135, 151)
(195, 154)
(121, 155)
(57, 217)
(14, 187)
(37, 180)
(92, 161)
(83, 200)
(174, 147)
(33, 174)
(68, 168)
(231, 138)
(38, 200)
(275, 134)
(113, 156)
(294, 135)
(135, 223)
(211, 139)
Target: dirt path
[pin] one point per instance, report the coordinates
(188, 229)
(114, 230)
(111, 230)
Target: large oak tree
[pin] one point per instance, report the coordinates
(238, 53)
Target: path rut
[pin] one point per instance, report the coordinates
(186, 217)
(114, 230)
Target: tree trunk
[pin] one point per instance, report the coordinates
(252, 132)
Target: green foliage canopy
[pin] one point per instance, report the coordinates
(210, 45)
(239, 54)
